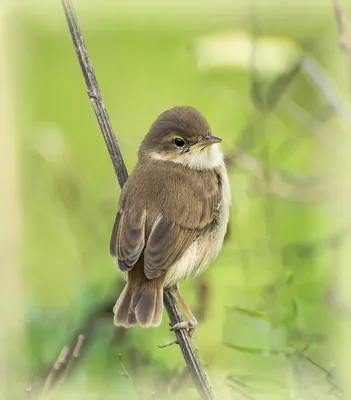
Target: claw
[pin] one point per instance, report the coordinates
(189, 325)
(168, 344)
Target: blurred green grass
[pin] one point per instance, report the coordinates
(70, 194)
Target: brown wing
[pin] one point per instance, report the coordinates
(166, 244)
(128, 238)
(162, 209)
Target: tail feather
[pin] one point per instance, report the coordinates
(145, 308)
(122, 306)
(131, 319)
(142, 304)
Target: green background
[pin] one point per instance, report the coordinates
(266, 295)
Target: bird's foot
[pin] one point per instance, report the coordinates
(190, 326)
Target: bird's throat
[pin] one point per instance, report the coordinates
(201, 159)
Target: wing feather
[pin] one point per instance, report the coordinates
(150, 220)
(128, 238)
(166, 245)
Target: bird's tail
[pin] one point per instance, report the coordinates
(141, 301)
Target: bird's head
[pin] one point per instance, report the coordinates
(182, 135)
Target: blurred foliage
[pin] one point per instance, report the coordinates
(265, 296)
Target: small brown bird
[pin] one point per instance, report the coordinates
(172, 217)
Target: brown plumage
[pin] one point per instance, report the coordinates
(164, 208)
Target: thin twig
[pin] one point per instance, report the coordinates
(342, 26)
(125, 372)
(74, 356)
(197, 372)
(56, 368)
(330, 377)
(75, 350)
(30, 384)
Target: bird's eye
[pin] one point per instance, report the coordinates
(179, 142)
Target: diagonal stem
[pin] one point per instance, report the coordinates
(197, 371)
(94, 93)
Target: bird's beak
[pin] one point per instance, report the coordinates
(205, 141)
(209, 139)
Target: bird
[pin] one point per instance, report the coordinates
(173, 214)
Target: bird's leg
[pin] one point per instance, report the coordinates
(189, 325)
(192, 322)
